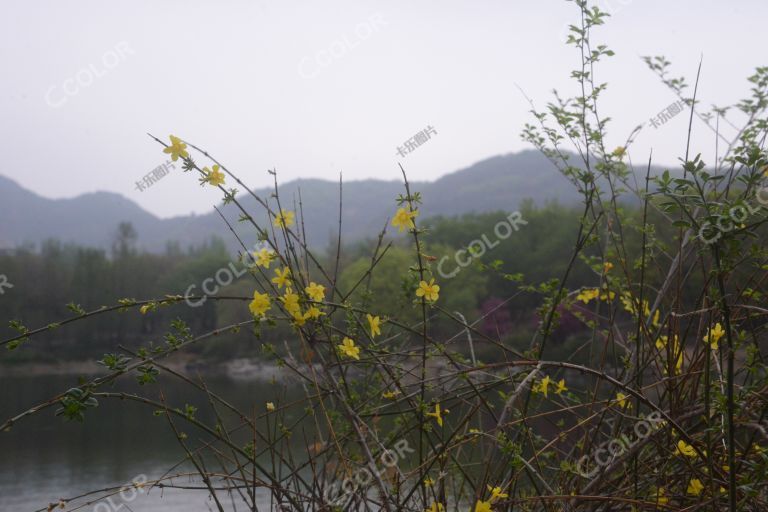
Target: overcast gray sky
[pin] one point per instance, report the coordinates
(314, 88)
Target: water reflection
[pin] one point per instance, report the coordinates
(44, 458)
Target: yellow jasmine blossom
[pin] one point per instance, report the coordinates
(264, 257)
(607, 266)
(315, 291)
(176, 149)
(270, 406)
(390, 394)
(313, 312)
(290, 302)
(260, 304)
(607, 294)
(429, 482)
(284, 219)
(619, 151)
(621, 400)
(438, 415)
(483, 506)
(655, 320)
(214, 177)
(661, 498)
(630, 306)
(283, 277)
(560, 387)
(695, 487)
(684, 448)
(714, 335)
(349, 349)
(298, 318)
(587, 295)
(428, 290)
(404, 219)
(373, 324)
(544, 386)
(497, 493)
(146, 307)
(435, 507)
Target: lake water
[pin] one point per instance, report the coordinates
(45, 458)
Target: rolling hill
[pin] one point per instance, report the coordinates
(497, 183)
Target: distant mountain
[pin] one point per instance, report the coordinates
(498, 183)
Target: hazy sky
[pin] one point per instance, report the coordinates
(314, 88)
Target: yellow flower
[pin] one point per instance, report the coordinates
(429, 482)
(283, 277)
(661, 498)
(313, 312)
(544, 386)
(298, 318)
(483, 506)
(607, 266)
(214, 177)
(435, 507)
(349, 349)
(290, 302)
(146, 307)
(438, 415)
(695, 487)
(714, 335)
(496, 493)
(176, 149)
(260, 304)
(284, 219)
(622, 400)
(404, 219)
(560, 387)
(264, 257)
(315, 291)
(373, 324)
(428, 290)
(630, 305)
(587, 295)
(390, 394)
(684, 448)
(655, 320)
(270, 406)
(619, 152)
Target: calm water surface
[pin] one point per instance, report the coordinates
(45, 458)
